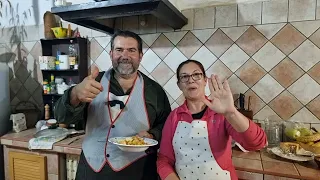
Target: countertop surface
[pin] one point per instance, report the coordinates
(259, 162)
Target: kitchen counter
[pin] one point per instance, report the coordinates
(252, 166)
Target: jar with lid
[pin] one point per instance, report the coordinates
(45, 87)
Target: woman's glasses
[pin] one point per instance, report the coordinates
(195, 77)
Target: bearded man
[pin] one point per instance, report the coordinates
(119, 102)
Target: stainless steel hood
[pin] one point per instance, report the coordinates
(101, 16)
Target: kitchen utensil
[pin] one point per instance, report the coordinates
(241, 101)
(248, 113)
(60, 32)
(133, 148)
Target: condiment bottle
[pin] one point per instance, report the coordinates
(46, 112)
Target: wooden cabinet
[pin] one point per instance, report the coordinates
(23, 166)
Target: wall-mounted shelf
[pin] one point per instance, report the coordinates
(50, 47)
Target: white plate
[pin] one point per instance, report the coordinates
(277, 151)
(133, 148)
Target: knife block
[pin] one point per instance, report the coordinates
(246, 113)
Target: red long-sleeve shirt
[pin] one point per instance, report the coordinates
(220, 133)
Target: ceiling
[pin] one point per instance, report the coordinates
(189, 4)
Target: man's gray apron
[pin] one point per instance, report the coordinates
(131, 120)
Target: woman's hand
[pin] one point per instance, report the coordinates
(172, 176)
(221, 96)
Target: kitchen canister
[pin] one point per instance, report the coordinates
(64, 62)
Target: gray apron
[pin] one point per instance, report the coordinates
(130, 121)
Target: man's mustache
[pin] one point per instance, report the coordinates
(124, 60)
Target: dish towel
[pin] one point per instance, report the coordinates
(43, 142)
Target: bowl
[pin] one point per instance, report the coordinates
(133, 148)
(60, 32)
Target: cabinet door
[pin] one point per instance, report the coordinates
(24, 166)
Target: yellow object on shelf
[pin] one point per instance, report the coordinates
(60, 32)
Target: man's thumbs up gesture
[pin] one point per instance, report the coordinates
(87, 90)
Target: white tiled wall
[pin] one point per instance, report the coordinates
(268, 50)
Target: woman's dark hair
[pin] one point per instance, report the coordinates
(127, 34)
(187, 62)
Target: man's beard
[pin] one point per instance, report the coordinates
(124, 67)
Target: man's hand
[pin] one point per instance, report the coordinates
(87, 90)
(145, 134)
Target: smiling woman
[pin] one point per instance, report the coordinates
(203, 127)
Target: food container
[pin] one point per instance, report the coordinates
(64, 62)
(47, 62)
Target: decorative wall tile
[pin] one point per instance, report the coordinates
(306, 55)
(234, 57)
(206, 15)
(250, 73)
(318, 10)
(174, 58)
(143, 70)
(275, 11)
(150, 60)
(103, 61)
(236, 85)
(305, 89)
(189, 45)
(172, 88)
(267, 88)
(175, 37)
(256, 102)
(314, 72)
(266, 112)
(219, 69)
(174, 105)
(235, 32)
(162, 46)
(307, 27)
(304, 116)
(103, 41)
(204, 56)
(285, 105)
(269, 30)
(226, 16)
(162, 73)
(218, 43)
(268, 56)
(29, 45)
(95, 49)
(149, 39)
(203, 34)
(315, 38)
(288, 39)
(181, 99)
(300, 10)
(249, 13)
(171, 100)
(286, 72)
(314, 105)
(251, 41)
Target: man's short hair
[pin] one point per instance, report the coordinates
(127, 34)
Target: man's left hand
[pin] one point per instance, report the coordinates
(145, 134)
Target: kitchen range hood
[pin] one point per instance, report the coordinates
(101, 15)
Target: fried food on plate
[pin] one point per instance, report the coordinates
(134, 140)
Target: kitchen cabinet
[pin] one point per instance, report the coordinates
(23, 166)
